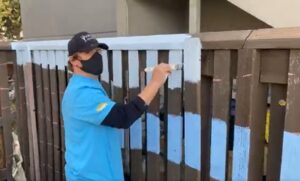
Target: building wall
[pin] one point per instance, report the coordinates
(221, 15)
(56, 19)
(157, 17)
(52, 19)
(277, 13)
(146, 17)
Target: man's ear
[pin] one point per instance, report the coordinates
(76, 63)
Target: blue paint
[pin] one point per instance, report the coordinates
(290, 157)
(174, 138)
(192, 144)
(241, 149)
(218, 149)
(136, 135)
(153, 133)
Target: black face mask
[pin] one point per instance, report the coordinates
(93, 65)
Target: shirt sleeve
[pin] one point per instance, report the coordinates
(92, 106)
(124, 115)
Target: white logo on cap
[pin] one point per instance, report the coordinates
(86, 38)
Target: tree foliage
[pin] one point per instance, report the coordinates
(10, 19)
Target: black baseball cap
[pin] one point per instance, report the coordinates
(84, 42)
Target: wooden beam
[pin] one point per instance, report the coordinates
(271, 38)
(122, 17)
(278, 38)
(194, 16)
(5, 46)
(223, 39)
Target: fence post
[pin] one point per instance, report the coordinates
(250, 118)
(192, 118)
(5, 126)
(291, 141)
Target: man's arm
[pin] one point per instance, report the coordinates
(124, 115)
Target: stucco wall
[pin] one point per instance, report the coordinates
(51, 19)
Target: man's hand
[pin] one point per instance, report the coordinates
(159, 77)
(160, 74)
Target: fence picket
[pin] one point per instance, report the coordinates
(291, 140)
(222, 88)
(277, 116)
(60, 61)
(40, 113)
(47, 103)
(192, 118)
(137, 172)
(55, 114)
(5, 127)
(175, 119)
(153, 127)
(248, 153)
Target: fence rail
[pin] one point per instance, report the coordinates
(210, 119)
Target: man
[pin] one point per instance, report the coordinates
(91, 119)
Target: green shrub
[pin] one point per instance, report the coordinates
(10, 19)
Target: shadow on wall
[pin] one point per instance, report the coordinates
(221, 15)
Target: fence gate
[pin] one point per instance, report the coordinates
(163, 144)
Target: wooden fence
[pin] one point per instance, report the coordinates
(7, 116)
(265, 64)
(207, 122)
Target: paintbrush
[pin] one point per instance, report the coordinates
(173, 67)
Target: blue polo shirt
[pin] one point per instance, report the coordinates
(93, 151)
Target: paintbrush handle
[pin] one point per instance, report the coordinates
(173, 67)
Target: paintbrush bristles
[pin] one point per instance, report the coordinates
(173, 67)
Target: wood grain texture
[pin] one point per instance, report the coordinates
(250, 120)
(277, 117)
